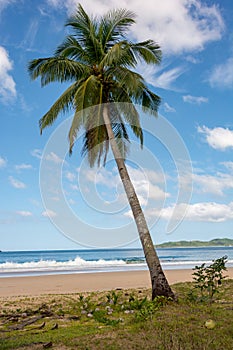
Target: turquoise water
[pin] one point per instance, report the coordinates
(83, 261)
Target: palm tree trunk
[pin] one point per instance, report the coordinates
(159, 282)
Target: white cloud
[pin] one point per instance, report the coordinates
(205, 211)
(70, 176)
(7, 83)
(23, 166)
(53, 157)
(168, 108)
(218, 138)
(178, 25)
(16, 183)
(29, 38)
(103, 176)
(222, 75)
(5, 3)
(175, 22)
(192, 59)
(148, 184)
(55, 199)
(74, 187)
(195, 99)
(37, 153)
(161, 76)
(2, 162)
(48, 213)
(213, 184)
(228, 165)
(166, 79)
(24, 213)
(170, 23)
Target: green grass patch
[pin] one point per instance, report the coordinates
(118, 320)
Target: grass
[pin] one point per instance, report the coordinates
(120, 319)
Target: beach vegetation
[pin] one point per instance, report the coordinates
(98, 63)
(159, 324)
(208, 279)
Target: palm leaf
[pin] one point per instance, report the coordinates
(63, 104)
(114, 25)
(131, 118)
(98, 59)
(56, 69)
(70, 48)
(147, 51)
(85, 32)
(126, 79)
(87, 94)
(119, 55)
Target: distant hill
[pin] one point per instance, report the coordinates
(217, 242)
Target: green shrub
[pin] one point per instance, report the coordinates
(207, 279)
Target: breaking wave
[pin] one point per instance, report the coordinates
(79, 265)
(53, 265)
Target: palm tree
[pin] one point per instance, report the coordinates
(99, 63)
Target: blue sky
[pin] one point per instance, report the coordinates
(194, 80)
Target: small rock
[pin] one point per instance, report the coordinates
(109, 309)
(75, 318)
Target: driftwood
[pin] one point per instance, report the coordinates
(27, 322)
(45, 345)
(40, 326)
(55, 326)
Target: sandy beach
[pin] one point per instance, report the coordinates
(86, 282)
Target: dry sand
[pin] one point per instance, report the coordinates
(86, 282)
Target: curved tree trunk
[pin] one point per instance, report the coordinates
(159, 282)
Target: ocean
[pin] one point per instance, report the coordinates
(35, 263)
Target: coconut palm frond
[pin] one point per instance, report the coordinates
(98, 60)
(70, 48)
(63, 104)
(131, 118)
(96, 144)
(126, 79)
(56, 69)
(150, 102)
(119, 55)
(81, 24)
(85, 30)
(147, 51)
(87, 95)
(89, 115)
(114, 25)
